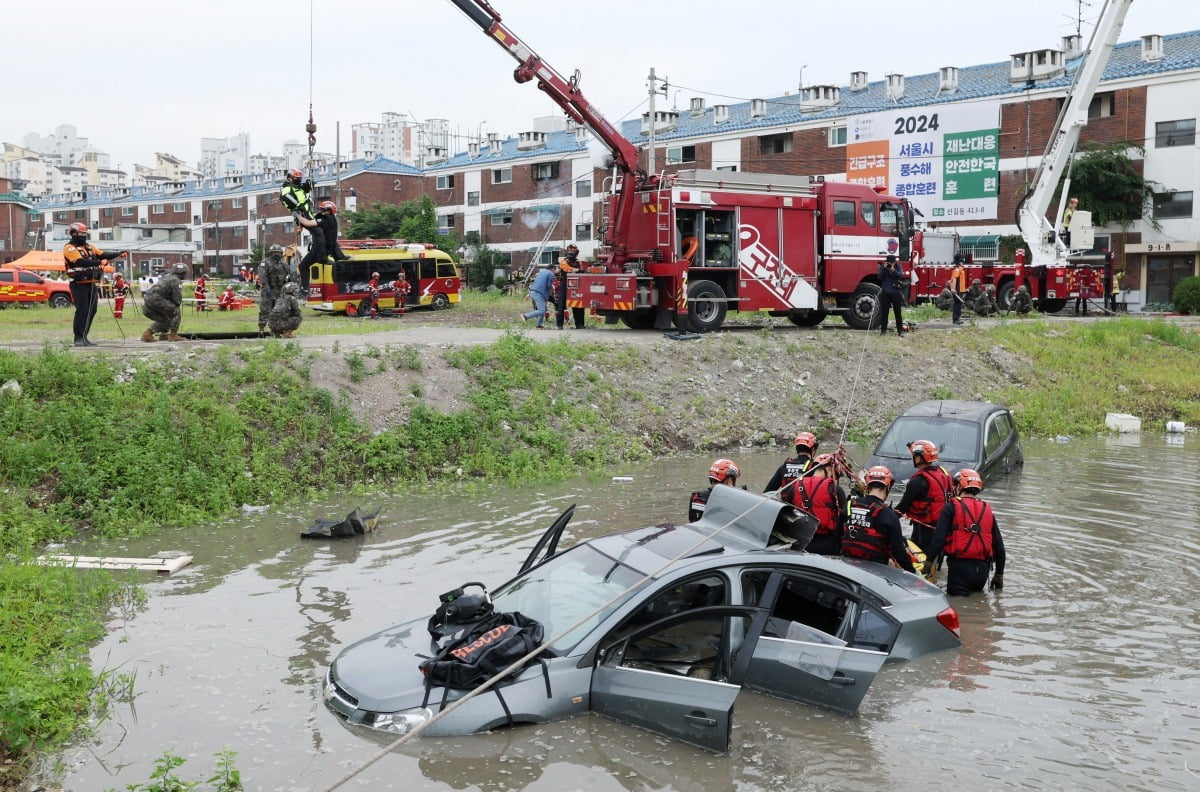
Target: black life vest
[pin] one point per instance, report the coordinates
(793, 471)
(698, 504)
(860, 537)
(972, 532)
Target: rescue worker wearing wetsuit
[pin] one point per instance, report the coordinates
(83, 265)
(926, 492)
(969, 536)
(870, 529)
(723, 471)
(819, 494)
(794, 467)
(295, 195)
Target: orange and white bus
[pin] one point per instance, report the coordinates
(340, 287)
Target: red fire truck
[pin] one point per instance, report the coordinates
(680, 250)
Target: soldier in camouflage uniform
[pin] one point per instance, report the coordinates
(285, 316)
(985, 304)
(945, 300)
(160, 304)
(1022, 303)
(275, 273)
(973, 294)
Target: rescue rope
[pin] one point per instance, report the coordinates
(520, 662)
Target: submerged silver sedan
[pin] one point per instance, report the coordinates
(662, 627)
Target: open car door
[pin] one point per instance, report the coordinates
(677, 676)
(821, 645)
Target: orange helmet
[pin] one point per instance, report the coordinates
(724, 471)
(77, 229)
(925, 449)
(293, 176)
(807, 440)
(328, 206)
(967, 479)
(879, 475)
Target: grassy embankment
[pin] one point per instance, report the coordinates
(94, 446)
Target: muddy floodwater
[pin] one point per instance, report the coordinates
(1084, 673)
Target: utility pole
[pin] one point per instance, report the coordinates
(654, 91)
(337, 165)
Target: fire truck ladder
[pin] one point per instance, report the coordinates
(536, 258)
(662, 223)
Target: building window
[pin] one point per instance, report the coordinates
(80, 214)
(126, 211)
(502, 217)
(445, 222)
(236, 203)
(157, 209)
(107, 211)
(147, 233)
(196, 220)
(1101, 106)
(473, 198)
(775, 144)
(178, 207)
(730, 168)
(445, 182)
(1163, 274)
(837, 136)
(239, 232)
(583, 188)
(1169, 206)
(843, 213)
(545, 170)
(1175, 133)
(106, 236)
(501, 175)
(211, 232)
(678, 154)
(583, 232)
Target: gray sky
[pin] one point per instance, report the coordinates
(140, 76)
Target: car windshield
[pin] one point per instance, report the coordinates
(955, 439)
(570, 592)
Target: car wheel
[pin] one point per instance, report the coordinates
(863, 306)
(59, 300)
(440, 302)
(706, 306)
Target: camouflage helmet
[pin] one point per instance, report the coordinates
(291, 287)
(275, 250)
(180, 269)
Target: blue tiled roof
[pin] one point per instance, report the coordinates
(215, 188)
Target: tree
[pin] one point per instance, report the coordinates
(481, 262)
(1109, 185)
(413, 221)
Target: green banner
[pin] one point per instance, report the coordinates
(971, 165)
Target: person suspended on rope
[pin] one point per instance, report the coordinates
(84, 267)
(327, 219)
(723, 471)
(296, 196)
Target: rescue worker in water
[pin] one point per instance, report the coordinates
(968, 534)
(818, 493)
(870, 529)
(794, 467)
(723, 471)
(926, 492)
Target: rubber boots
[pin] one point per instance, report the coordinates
(148, 336)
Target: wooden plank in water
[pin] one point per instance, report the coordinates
(163, 566)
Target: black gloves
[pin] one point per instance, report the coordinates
(997, 582)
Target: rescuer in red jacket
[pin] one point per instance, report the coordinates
(723, 471)
(969, 536)
(120, 290)
(870, 529)
(818, 493)
(926, 492)
(200, 292)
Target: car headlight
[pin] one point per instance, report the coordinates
(399, 722)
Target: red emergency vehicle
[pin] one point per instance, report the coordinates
(683, 249)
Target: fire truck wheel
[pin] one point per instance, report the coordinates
(861, 311)
(706, 306)
(1051, 306)
(807, 318)
(440, 302)
(1004, 295)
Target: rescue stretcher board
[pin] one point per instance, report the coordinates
(163, 566)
